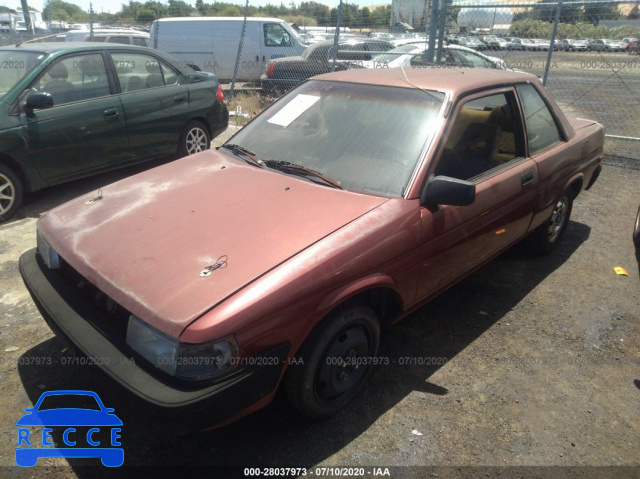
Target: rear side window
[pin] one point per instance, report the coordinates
(141, 42)
(123, 40)
(542, 131)
(138, 71)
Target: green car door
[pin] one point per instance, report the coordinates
(155, 102)
(84, 129)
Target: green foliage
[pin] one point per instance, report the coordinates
(540, 29)
(63, 11)
(145, 15)
(300, 20)
(231, 11)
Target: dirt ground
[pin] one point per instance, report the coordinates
(542, 368)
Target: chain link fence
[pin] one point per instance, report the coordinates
(586, 52)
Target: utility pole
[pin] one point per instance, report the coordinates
(27, 16)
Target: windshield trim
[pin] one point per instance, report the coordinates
(426, 151)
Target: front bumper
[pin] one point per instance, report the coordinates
(65, 310)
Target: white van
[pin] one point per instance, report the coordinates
(211, 43)
(110, 35)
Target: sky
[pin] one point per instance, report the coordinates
(115, 6)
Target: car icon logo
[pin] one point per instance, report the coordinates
(77, 419)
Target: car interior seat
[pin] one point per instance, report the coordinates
(154, 79)
(502, 117)
(59, 88)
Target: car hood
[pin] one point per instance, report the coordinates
(145, 240)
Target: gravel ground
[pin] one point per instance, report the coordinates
(540, 367)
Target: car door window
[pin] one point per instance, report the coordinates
(137, 71)
(474, 60)
(75, 78)
(276, 36)
(542, 130)
(483, 137)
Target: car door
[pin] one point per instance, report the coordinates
(484, 145)
(155, 100)
(84, 130)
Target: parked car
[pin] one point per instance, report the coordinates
(124, 36)
(522, 44)
(492, 42)
(469, 42)
(636, 238)
(633, 48)
(594, 45)
(457, 55)
(543, 45)
(612, 45)
(69, 110)
(278, 259)
(570, 45)
(284, 73)
(626, 41)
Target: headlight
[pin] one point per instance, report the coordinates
(48, 254)
(193, 362)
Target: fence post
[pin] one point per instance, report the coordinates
(235, 68)
(443, 23)
(336, 35)
(432, 30)
(91, 22)
(553, 41)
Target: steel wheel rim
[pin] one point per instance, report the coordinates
(558, 219)
(196, 140)
(7, 194)
(340, 373)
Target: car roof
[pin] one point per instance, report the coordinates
(67, 47)
(453, 80)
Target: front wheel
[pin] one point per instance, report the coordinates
(11, 192)
(546, 237)
(334, 361)
(194, 139)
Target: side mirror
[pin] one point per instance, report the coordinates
(444, 190)
(38, 101)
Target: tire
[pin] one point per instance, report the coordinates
(546, 237)
(195, 138)
(11, 192)
(322, 384)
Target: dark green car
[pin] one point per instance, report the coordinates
(76, 109)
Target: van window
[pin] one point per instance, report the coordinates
(276, 36)
(97, 39)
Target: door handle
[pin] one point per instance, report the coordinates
(263, 58)
(178, 99)
(111, 114)
(526, 178)
(257, 58)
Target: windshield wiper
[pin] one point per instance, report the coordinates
(288, 166)
(244, 153)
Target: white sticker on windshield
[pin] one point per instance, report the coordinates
(293, 110)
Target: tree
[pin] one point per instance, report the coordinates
(145, 15)
(231, 11)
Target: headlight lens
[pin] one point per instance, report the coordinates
(48, 254)
(192, 362)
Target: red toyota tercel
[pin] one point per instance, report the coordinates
(203, 285)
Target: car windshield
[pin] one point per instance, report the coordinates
(367, 137)
(392, 55)
(14, 65)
